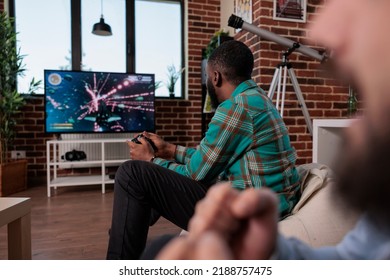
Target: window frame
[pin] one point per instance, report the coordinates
(76, 48)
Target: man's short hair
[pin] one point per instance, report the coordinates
(234, 60)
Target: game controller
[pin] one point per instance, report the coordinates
(136, 140)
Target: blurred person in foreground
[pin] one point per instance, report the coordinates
(232, 225)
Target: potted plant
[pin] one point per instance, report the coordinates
(173, 76)
(218, 38)
(13, 174)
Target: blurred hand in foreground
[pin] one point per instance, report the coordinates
(228, 224)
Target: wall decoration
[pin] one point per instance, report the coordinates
(243, 9)
(290, 10)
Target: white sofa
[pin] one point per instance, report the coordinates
(319, 218)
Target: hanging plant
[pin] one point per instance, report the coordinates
(215, 41)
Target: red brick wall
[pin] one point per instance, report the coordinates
(178, 121)
(31, 137)
(325, 98)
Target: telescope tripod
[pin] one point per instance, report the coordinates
(283, 69)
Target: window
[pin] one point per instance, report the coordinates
(158, 42)
(147, 37)
(103, 53)
(46, 43)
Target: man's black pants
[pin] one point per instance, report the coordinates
(140, 188)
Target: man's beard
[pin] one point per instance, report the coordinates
(363, 172)
(213, 95)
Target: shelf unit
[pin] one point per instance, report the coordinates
(54, 162)
(328, 138)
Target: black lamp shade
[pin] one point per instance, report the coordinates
(101, 28)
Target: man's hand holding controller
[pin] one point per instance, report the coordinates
(147, 146)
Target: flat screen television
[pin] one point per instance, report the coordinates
(98, 102)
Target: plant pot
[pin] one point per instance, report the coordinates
(13, 177)
(171, 95)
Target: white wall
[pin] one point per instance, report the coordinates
(227, 8)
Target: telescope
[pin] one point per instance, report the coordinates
(238, 23)
(285, 68)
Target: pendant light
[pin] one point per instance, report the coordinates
(101, 28)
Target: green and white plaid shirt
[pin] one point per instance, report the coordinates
(247, 143)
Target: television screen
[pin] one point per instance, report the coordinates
(82, 102)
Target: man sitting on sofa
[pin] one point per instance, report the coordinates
(246, 144)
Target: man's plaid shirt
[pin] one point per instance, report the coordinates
(247, 143)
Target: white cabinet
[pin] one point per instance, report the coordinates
(103, 153)
(327, 139)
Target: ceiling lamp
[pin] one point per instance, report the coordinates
(101, 28)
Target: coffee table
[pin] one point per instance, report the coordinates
(16, 213)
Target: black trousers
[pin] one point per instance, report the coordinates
(142, 188)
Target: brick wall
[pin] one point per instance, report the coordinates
(178, 121)
(31, 138)
(325, 98)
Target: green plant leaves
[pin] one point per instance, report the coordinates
(173, 76)
(213, 44)
(11, 66)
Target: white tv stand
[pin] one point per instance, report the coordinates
(54, 162)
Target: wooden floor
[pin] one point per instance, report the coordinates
(73, 224)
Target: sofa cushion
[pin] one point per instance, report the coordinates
(319, 218)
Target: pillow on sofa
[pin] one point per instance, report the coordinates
(319, 218)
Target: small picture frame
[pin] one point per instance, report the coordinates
(290, 10)
(243, 9)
